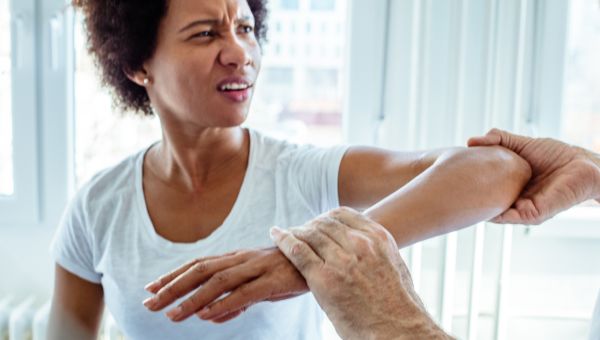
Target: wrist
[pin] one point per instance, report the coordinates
(419, 326)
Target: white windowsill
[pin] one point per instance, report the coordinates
(579, 223)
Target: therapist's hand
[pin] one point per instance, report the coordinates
(353, 268)
(249, 276)
(563, 176)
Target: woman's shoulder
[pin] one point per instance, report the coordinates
(112, 181)
(279, 146)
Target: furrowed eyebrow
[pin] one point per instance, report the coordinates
(246, 18)
(198, 22)
(211, 22)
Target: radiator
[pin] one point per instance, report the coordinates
(28, 320)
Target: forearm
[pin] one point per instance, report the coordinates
(63, 326)
(461, 188)
(410, 322)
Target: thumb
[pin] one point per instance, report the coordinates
(513, 142)
(493, 137)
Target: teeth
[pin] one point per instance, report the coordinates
(234, 87)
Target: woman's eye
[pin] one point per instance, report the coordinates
(203, 34)
(247, 29)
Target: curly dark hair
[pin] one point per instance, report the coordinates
(121, 36)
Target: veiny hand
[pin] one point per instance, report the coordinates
(249, 276)
(563, 176)
(353, 268)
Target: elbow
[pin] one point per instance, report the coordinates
(507, 173)
(516, 168)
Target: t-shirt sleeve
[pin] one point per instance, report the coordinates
(72, 246)
(316, 171)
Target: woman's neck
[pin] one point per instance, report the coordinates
(196, 160)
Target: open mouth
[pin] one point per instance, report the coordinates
(236, 90)
(231, 87)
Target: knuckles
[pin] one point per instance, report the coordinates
(200, 267)
(342, 211)
(221, 278)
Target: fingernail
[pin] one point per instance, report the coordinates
(150, 302)
(204, 313)
(174, 314)
(151, 286)
(275, 232)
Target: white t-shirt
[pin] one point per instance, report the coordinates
(106, 237)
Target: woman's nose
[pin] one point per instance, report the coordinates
(235, 53)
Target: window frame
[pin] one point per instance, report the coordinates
(22, 205)
(41, 60)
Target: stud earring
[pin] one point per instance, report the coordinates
(146, 81)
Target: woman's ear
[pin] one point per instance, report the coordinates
(140, 77)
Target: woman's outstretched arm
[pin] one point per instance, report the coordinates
(455, 188)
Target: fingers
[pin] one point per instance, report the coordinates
(493, 137)
(510, 216)
(352, 219)
(228, 317)
(505, 139)
(335, 230)
(523, 211)
(325, 247)
(241, 298)
(186, 282)
(156, 285)
(297, 251)
(220, 283)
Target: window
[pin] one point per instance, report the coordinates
(20, 176)
(279, 76)
(6, 164)
(581, 109)
(327, 79)
(301, 98)
(102, 136)
(322, 5)
(570, 82)
(289, 4)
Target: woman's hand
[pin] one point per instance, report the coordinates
(249, 276)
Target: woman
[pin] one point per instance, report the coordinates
(210, 187)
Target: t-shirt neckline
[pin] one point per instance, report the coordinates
(230, 221)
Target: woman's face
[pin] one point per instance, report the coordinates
(205, 64)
